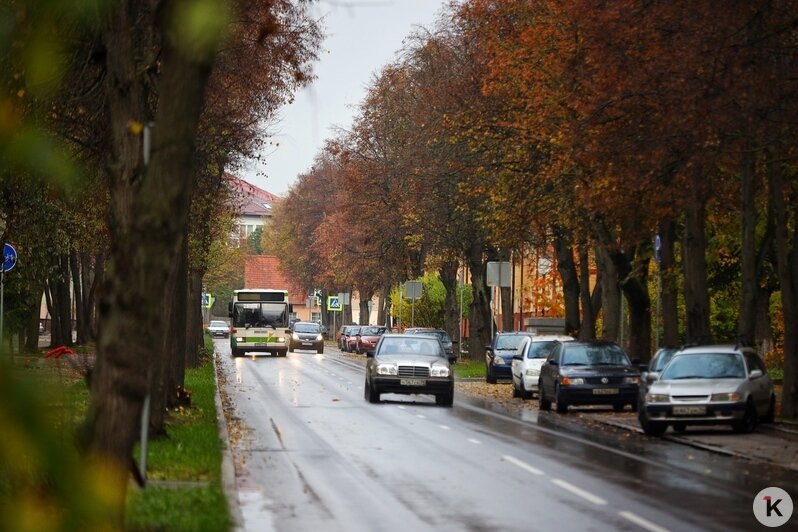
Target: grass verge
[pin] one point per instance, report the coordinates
(468, 368)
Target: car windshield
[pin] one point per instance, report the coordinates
(410, 346)
(509, 341)
(705, 366)
(662, 358)
(352, 330)
(372, 331)
(218, 324)
(307, 327)
(443, 336)
(540, 349)
(594, 355)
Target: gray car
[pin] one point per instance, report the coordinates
(709, 385)
(409, 364)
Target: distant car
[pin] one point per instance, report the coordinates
(441, 335)
(650, 373)
(339, 336)
(527, 362)
(306, 335)
(409, 364)
(709, 385)
(350, 338)
(367, 338)
(499, 354)
(219, 328)
(588, 373)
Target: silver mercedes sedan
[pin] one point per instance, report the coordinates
(709, 385)
(409, 364)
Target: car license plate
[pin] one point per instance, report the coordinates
(261, 344)
(306, 343)
(689, 410)
(605, 391)
(412, 382)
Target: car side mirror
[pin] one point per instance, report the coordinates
(652, 376)
(518, 357)
(755, 374)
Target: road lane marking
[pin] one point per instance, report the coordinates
(579, 492)
(444, 427)
(642, 523)
(401, 407)
(421, 416)
(475, 442)
(522, 465)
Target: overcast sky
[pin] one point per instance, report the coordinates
(362, 36)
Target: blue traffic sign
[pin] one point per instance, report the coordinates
(9, 257)
(658, 248)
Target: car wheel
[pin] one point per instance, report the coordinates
(516, 391)
(562, 404)
(544, 403)
(445, 399)
(372, 396)
(679, 427)
(770, 417)
(652, 428)
(748, 423)
(524, 393)
(490, 379)
(320, 351)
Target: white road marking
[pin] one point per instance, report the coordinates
(475, 442)
(421, 416)
(642, 523)
(522, 465)
(579, 492)
(401, 407)
(444, 427)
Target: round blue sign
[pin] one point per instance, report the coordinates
(9, 257)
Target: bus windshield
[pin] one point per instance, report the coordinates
(260, 315)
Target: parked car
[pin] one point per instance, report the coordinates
(709, 385)
(350, 338)
(650, 373)
(306, 335)
(588, 373)
(527, 362)
(219, 328)
(409, 364)
(366, 339)
(339, 336)
(440, 334)
(499, 354)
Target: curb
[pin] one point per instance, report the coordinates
(228, 466)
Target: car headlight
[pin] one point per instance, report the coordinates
(281, 339)
(657, 398)
(296, 337)
(239, 339)
(532, 373)
(631, 380)
(725, 397)
(319, 338)
(498, 361)
(566, 381)
(387, 369)
(439, 371)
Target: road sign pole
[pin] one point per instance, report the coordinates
(2, 296)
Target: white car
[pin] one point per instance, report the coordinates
(219, 328)
(531, 355)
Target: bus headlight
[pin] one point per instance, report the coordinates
(239, 339)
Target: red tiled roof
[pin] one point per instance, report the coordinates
(261, 271)
(250, 199)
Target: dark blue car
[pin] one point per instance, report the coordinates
(499, 355)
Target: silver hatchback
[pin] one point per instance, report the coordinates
(709, 385)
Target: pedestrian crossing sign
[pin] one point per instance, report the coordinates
(334, 304)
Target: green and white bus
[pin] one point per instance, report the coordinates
(260, 321)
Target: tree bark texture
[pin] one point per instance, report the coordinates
(749, 289)
(195, 339)
(610, 295)
(563, 247)
(587, 329)
(669, 297)
(451, 309)
(479, 315)
(694, 265)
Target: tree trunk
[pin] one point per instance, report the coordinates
(65, 301)
(32, 327)
(694, 265)
(749, 289)
(80, 310)
(587, 329)
(506, 297)
(479, 315)
(669, 297)
(195, 336)
(451, 310)
(787, 267)
(563, 247)
(610, 295)
(365, 296)
(151, 214)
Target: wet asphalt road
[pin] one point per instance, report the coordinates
(317, 455)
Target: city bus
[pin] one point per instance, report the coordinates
(260, 321)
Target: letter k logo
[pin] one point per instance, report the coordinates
(771, 506)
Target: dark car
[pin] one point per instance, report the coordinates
(350, 338)
(367, 338)
(441, 335)
(409, 364)
(588, 373)
(499, 355)
(306, 335)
